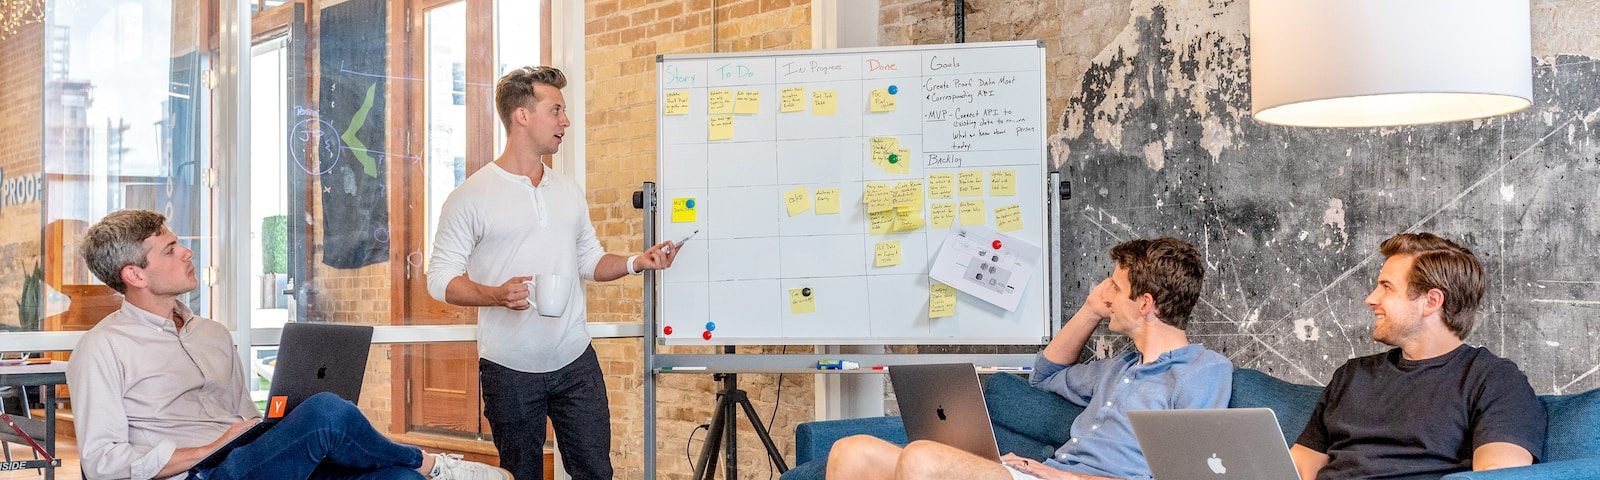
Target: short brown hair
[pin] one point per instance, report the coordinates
(1442, 264)
(515, 89)
(1168, 269)
(118, 241)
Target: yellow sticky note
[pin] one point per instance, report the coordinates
(792, 99)
(887, 254)
(720, 102)
(908, 194)
(878, 223)
(827, 201)
(941, 185)
(721, 127)
(882, 148)
(942, 214)
(677, 103)
(747, 102)
(972, 212)
(969, 184)
(899, 162)
(878, 197)
(824, 103)
(683, 210)
(798, 200)
(941, 300)
(802, 300)
(1003, 183)
(1008, 218)
(906, 220)
(881, 101)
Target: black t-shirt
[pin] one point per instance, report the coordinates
(1386, 417)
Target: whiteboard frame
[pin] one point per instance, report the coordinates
(1051, 270)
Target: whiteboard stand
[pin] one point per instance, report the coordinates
(806, 363)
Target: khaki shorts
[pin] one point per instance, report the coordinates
(1019, 474)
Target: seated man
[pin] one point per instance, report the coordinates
(156, 389)
(1433, 405)
(1148, 298)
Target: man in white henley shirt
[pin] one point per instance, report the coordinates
(510, 221)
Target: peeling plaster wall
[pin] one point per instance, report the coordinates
(1156, 137)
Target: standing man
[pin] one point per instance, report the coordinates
(1148, 298)
(514, 220)
(157, 389)
(1433, 405)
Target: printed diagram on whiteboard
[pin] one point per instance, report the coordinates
(989, 265)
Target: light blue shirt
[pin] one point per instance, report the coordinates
(1102, 440)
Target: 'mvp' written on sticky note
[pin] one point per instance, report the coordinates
(827, 201)
(825, 103)
(797, 200)
(677, 103)
(886, 254)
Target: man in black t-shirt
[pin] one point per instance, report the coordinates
(1433, 405)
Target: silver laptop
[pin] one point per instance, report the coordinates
(943, 403)
(1225, 443)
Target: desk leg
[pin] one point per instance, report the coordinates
(49, 427)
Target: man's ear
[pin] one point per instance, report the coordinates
(1434, 303)
(1147, 304)
(133, 276)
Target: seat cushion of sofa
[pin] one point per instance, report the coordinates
(1291, 403)
(1570, 430)
(1027, 421)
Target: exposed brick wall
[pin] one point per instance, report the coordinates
(622, 39)
(21, 137)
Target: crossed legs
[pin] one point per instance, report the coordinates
(869, 458)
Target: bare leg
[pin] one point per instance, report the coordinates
(862, 457)
(925, 460)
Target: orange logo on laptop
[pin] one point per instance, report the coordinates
(276, 406)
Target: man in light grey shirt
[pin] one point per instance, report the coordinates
(156, 389)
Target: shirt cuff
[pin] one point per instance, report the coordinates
(150, 465)
(631, 271)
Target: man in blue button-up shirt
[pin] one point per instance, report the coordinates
(1148, 298)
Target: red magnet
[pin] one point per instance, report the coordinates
(706, 335)
(667, 330)
(996, 244)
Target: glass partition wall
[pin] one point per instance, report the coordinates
(355, 118)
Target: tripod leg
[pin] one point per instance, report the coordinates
(731, 443)
(705, 466)
(761, 433)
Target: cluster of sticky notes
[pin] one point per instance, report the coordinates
(824, 103)
(896, 208)
(677, 103)
(886, 153)
(683, 210)
(1008, 218)
(798, 200)
(881, 100)
(802, 300)
(941, 300)
(886, 254)
(721, 106)
(792, 99)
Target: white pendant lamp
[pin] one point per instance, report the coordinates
(1373, 63)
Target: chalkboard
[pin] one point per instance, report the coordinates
(823, 183)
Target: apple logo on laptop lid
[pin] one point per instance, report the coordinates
(1216, 465)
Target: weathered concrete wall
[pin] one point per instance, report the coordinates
(1157, 139)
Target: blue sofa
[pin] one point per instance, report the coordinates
(1032, 423)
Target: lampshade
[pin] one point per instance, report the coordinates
(1370, 63)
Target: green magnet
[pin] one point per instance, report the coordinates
(894, 158)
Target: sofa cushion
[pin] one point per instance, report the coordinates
(1027, 421)
(1291, 403)
(813, 440)
(1570, 430)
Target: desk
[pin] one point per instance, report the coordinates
(46, 376)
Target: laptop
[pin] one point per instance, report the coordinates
(312, 358)
(1224, 443)
(943, 403)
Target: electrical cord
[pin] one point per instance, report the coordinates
(687, 445)
(776, 400)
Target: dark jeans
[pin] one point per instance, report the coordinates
(325, 437)
(574, 398)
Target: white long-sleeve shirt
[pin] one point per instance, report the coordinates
(142, 388)
(497, 225)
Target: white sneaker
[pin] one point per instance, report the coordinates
(450, 466)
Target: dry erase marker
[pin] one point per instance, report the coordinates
(683, 369)
(668, 249)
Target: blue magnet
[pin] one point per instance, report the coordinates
(711, 326)
(689, 203)
(893, 90)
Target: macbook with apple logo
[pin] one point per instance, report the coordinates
(943, 403)
(1223, 443)
(312, 358)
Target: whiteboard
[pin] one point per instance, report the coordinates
(743, 135)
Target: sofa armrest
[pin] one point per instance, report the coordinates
(812, 440)
(1565, 469)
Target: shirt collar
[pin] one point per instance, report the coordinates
(544, 181)
(1177, 355)
(161, 322)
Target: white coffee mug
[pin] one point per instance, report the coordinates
(549, 294)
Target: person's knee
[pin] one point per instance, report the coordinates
(330, 408)
(921, 458)
(852, 448)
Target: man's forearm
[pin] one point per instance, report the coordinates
(184, 459)
(1067, 347)
(611, 267)
(466, 293)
